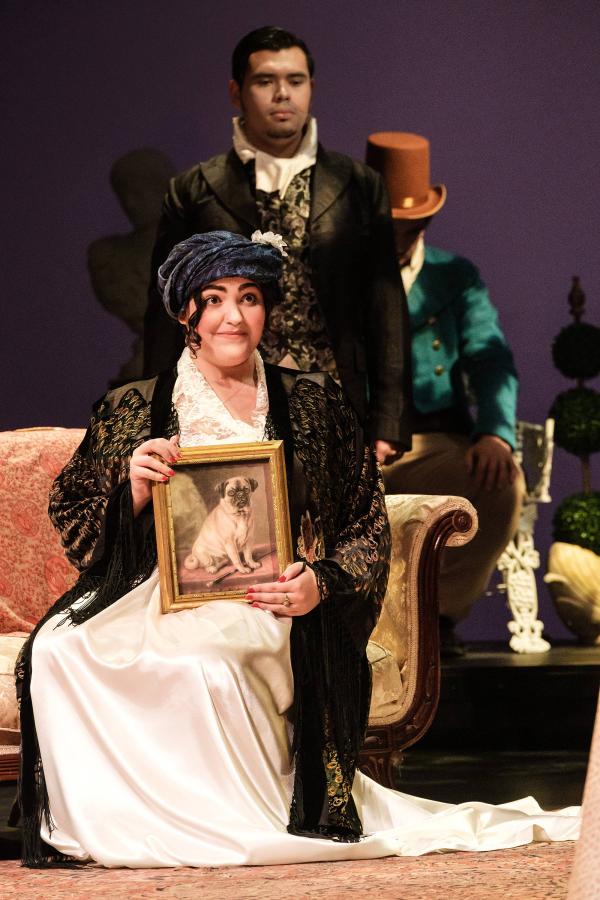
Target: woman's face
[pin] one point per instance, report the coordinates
(232, 321)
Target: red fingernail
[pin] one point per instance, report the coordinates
(171, 472)
(249, 590)
(255, 606)
(282, 578)
(164, 478)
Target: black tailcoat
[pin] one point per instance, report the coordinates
(355, 271)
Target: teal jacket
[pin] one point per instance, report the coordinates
(459, 354)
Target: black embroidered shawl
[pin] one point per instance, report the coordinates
(332, 476)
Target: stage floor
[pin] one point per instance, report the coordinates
(535, 872)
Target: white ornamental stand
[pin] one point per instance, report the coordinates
(520, 559)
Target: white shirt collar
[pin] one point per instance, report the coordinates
(275, 173)
(410, 271)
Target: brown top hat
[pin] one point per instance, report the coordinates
(403, 160)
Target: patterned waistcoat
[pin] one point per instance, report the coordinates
(296, 325)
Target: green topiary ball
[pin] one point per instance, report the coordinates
(576, 351)
(577, 521)
(576, 415)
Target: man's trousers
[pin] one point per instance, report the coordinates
(437, 465)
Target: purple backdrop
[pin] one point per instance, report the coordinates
(507, 91)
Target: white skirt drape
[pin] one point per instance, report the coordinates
(165, 742)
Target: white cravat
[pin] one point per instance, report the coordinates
(410, 271)
(275, 173)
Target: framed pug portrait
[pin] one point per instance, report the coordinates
(222, 523)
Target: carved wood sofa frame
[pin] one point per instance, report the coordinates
(434, 523)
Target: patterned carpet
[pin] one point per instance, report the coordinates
(536, 872)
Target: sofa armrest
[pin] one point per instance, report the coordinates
(422, 526)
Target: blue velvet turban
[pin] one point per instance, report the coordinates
(203, 258)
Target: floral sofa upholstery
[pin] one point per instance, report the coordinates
(33, 567)
(403, 651)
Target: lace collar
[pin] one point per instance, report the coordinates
(204, 418)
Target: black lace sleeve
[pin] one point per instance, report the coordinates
(93, 480)
(346, 490)
(331, 672)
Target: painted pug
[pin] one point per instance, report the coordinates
(227, 533)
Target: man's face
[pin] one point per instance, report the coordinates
(275, 96)
(406, 234)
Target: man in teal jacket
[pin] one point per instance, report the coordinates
(464, 381)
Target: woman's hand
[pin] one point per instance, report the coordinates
(295, 594)
(150, 462)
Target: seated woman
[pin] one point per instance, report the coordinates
(229, 733)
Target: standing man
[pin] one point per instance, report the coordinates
(460, 359)
(344, 309)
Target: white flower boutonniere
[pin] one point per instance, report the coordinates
(269, 237)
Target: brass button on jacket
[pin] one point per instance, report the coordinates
(439, 370)
(432, 320)
(436, 344)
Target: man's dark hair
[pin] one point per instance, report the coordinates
(267, 38)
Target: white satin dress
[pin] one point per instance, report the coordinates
(165, 742)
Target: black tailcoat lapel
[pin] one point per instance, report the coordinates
(228, 179)
(331, 176)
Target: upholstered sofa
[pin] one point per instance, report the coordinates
(403, 651)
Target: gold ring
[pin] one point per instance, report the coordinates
(286, 600)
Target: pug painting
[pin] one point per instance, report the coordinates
(227, 534)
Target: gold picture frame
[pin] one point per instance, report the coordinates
(222, 523)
